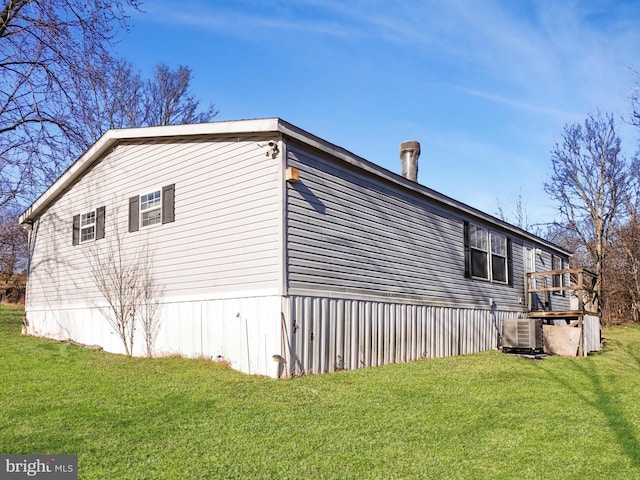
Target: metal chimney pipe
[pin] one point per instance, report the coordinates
(409, 153)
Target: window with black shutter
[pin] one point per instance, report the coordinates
(487, 254)
(88, 226)
(152, 207)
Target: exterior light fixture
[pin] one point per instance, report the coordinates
(273, 149)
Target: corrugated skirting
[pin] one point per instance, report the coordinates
(592, 334)
(329, 334)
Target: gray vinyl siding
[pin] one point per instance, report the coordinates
(225, 237)
(559, 301)
(352, 232)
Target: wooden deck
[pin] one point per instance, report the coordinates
(580, 287)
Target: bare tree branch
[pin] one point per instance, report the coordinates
(45, 46)
(120, 98)
(590, 181)
(124, 277)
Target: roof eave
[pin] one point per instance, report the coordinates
(267, 125)
(317, 142)
(112, 137)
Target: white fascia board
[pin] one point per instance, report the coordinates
(212, 128)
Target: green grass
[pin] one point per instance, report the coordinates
(487, 415)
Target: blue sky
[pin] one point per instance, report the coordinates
(485, 86)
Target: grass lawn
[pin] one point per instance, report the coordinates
(488, 415)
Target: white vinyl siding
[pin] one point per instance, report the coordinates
(237, 248)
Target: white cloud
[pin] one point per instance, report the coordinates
(242, 22)
(556, 56)
(519, 104)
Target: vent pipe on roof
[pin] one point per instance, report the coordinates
(409, 153)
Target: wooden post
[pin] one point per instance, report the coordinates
(579, 290)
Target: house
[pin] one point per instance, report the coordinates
(276, 251)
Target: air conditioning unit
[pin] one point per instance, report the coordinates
(522, 334)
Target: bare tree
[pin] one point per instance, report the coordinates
(623, 269)
(169, 101)
(635, 100)
(124, 277)
(13, 242)
(622, 274)
(150, 306)
(590, 182)
(521, 215)
(111, 98)
(116, 276)
(45, 46)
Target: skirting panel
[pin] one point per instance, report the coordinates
(592, 334)
(329, 334)
(243, 332)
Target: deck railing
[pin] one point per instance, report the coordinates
(580, 285)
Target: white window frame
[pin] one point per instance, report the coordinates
(485, 242)
(479, 243)
(557, 280)
(88, 225)
(155, 208)
(497, 240)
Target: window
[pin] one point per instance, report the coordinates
(498, 258)
(88, 226)
(558, 279)
(487, 254)
(150, 208)
(479, 241)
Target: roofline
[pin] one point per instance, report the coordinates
(336, 151)
(113, 137)
(266, 125)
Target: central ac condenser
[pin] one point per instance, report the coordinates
(522, 334)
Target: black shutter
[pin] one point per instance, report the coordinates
(134, 213)
(168, 203)
(467, 251)
(75, 238)
(100, 217)
(509, 263)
